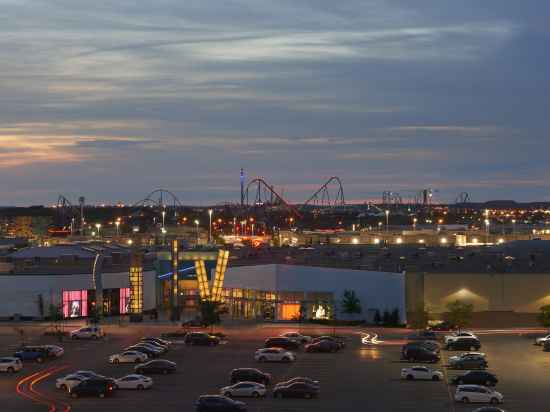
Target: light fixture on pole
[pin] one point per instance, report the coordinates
(163, 217)
(197, 226)
(387, 212)
(117, 224)
(487, 223)
(98, 227)
(414, 223)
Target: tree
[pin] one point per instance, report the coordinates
(459, 313)
(386, 317)
(395, 319)
(55, 315)
(377, 318)
(94, 314)
(351, 305)
(210, 312)
(420, 317)
(544, 316)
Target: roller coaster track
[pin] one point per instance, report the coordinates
(322, 197)
(266, 195)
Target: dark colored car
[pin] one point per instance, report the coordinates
(281, 342)
(156, 366)
(201, 339)
(339, 342)
(159, 346)
(151, 353)
(469, 361)
(218, 403)
(325, 346)
(92, 387)
(296, 390)
(489, 409)
(300, 379)
(420, 354)
(194, 323)
(160, 341)
(442, 326)
(464, 344)
(249, 375)
(32, 353)
(476, 378)
(546, 346)
(428, 344)
(423, 335)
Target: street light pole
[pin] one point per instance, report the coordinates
(98, 227)
(387, 219)
(210, 211)
(163, 217)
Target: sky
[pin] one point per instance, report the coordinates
(111, 100)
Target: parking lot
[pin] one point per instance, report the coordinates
(361, 377)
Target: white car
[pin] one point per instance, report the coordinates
(543, 340)
(130, 356)
(274, 355)
(244, 389)
(55, 350)
(459, 335)
(477, 394)
(10, 364)
(134, 381)
(89, 332)
(296, 337)
(70, 381)
(421, 373)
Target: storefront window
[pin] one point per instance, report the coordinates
(75, 303)
(124, 300)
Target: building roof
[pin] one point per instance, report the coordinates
(52, 252)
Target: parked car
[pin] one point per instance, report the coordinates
(154, 344)
(341, 344)
(147, 350)
(420, 354)
(459, 335)
(326, 346)
(464, 344)
(32, 353)
(423, 335)
(477, 394)
(489, 409)
(194, 323)
(164, 342)
(88, 332)
(218, 403)
(540, 341)
(201, 339)
(428, 344)
(129, 356)
(442, 326)
(469, 360)
(54, 351)
(134, 381)
(296, 337)
(421, 373)
(10, 364)
(156, 366)
(274, 355)
(296, 390)
(546, 346)
(69, 381)
(475, 378)
(280, 342)
(92, 387)
(300, 379)
(244, 389)
(249, 375)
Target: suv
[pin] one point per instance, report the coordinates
(477, 393)
(218, 403)
(464, 344)
(468, 361)
(89, 332)
(280, 342)
(92, 387)
(201, 339)
(32, 353)
(428, 344)
(249, 375)
(476, 378)
(420, 354)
